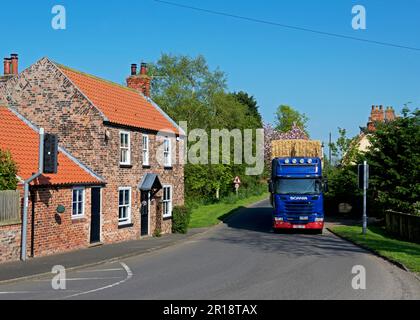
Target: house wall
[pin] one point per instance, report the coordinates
(47, 232)
(44, 96)
(50, 232)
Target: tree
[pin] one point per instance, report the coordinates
(8, 171)
(189, 91)
(184, 86)
(286, 116)
(251, 103)
(344, 150)
(394, 159)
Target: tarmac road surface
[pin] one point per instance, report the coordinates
(240, 259)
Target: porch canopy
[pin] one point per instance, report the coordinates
(150, 182)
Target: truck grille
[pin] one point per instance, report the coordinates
(299, 207)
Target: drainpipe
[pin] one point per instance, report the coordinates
(26, 194)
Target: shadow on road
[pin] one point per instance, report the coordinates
(251, 227)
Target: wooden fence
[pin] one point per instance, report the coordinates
(9, 207)
(403, 225)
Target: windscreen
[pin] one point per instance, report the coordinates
(298, 186)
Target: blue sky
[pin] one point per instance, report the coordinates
(334, 81)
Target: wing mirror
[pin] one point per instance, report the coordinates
(325, 185)
(270, 186)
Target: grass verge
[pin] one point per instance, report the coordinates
(379, 241)
(210, 215)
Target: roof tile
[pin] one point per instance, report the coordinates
(121, 105)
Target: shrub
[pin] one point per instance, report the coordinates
(8, 171)
(180, 219)
(157, 233)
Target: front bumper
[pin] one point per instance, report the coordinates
(278, 225)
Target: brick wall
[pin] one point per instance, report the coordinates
(10, 242)
(50, 232)
(43, 95)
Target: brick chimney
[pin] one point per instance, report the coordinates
(378, 114)
(11, 67)
(141, 81)
(389, 114)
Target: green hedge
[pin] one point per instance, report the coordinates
(181, 216)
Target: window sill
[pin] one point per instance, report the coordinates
(167, 218)
(78, 219)
(124, 225)
(168, 168)
(147, 166)
(126, 166)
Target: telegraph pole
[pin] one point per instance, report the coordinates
(329, 149)
(365, 187)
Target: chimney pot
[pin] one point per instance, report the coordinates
(15, 63)
(143, 68)
(6, 66)
(133, 69)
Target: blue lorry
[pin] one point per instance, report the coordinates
(296, 189)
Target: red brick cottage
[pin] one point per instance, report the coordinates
(112, 129)
(74, 188)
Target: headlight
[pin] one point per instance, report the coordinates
(287, 161)
(294, 161)
(278, 219)
(319, 220)
(302, 161)
(309, 161)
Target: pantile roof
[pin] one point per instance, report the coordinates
(119, 104)
(22, 141)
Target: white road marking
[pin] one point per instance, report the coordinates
(129, 276)
(101, 270)
(79, 279)
(16, 292)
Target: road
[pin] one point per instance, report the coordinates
(241, 259)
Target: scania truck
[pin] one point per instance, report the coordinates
(297, 188)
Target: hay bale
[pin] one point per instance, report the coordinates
(296, 148)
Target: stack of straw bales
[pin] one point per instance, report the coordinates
(296, 148)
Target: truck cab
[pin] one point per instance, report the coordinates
(296, 188)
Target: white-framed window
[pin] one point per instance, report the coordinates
(78, 203)
(167, 201)
(124, 205)
(145, 150)
(167, 156)
(125, 148)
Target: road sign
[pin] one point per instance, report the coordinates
(237, 180)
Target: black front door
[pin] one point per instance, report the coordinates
(95, 223)
(144, 213)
